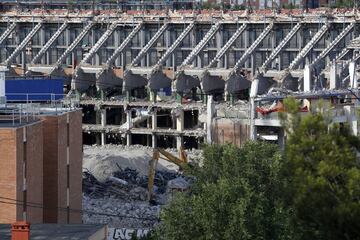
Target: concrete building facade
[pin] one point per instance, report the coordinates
(146, 77)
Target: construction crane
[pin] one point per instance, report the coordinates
(182, 162)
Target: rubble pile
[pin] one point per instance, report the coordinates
(122, 199)
(115, 182)
(119, 213)
(125, 184)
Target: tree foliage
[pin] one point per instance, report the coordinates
(323, 176)
(235, 197)
(309, 191)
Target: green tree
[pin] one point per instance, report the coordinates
(236, 196)
(323, 176)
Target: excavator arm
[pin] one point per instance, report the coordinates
(182, 162)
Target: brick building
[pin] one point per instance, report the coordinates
(21, 165)
(41, 165)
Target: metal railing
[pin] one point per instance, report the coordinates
(20, 108)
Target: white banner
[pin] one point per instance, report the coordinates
(126, 233)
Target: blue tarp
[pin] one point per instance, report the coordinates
(34, 89)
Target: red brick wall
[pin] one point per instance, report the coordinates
(55, 166)
(34, 171)
(8, 174)
(62, 168)
(76, 156)
(11, 172)
(50, 173)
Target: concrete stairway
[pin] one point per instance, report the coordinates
(333, 44)
(7, 32)
(48, 44)
(99, 43)
(74, 43)
(23, 44)
(281, 45)
(201, 44)
(302, 54)
(175, 44)
(253, 46)
(119, 49)
(152, 41)
(227, 45)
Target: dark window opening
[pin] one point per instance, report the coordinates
(114, 116)
(166, 141)
(90, 138)
(89, 115)
(191, 119)
(141, 139)
(164, 119)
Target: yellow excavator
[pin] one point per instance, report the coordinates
(180, 161)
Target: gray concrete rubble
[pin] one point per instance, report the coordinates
(115, 182)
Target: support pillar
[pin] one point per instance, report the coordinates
(307, 78)
(128, 138)
(210, 115)
(154, 141)
(103, 124)
(154, 119)
(352, 73)
(179, 142)
(180, 121)
(334, 83)
(253, 93)
(103, 139)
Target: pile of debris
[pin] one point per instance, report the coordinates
(125, 184)
(121, 201)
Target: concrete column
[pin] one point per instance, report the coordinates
(103, 117)
(180, 121)
(154, 141)
(154, 119)
(23, 61)
(253, 64)
(334, 83)
(273, 46)
(210, 115)
(179, 142)
(219, 44)
(247, 45)
(103, 138)
(42, 42)
(116, 44)
(128, 120)
(67, 43)
(352, 73)
(168, 44)
(142, 44)
(103, 124)
(307, 78)
(128, 139)
(253, 94)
